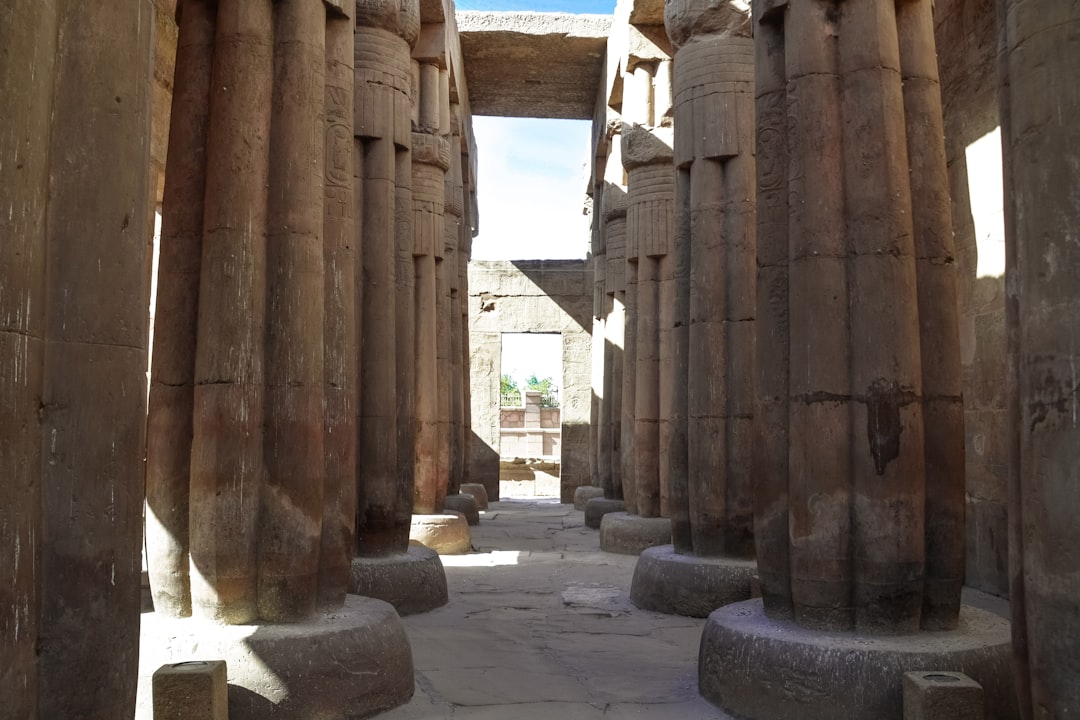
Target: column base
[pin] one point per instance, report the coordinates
(413, 581)
(755, 667)
(628, 534)
(464, 504)
(677, 584)
(479, 493)
(303, 670)
(446, 534)
(597, 508)
(584, 493)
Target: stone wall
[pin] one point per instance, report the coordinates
(530, 296)
(967, 45)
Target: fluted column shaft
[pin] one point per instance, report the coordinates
(383, 101)
(1038, 43)
(714, 121)
(872, 513)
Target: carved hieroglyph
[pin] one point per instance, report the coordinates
(249, 505)
(859, 462)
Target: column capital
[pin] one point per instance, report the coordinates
(685, 19)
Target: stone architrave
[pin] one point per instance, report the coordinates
(74, 260)
(384, 37)
(430, 162)
(859, 372)
(1040, 49)
(709, 444)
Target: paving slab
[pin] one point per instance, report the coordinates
(540, 626)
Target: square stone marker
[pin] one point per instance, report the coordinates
(932, 695)
(195, 690)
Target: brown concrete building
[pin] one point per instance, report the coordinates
(825, 339)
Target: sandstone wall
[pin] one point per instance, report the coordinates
(540, 296)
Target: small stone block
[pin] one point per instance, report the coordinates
(932, 695)
(196, 690)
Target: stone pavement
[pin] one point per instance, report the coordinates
(540, 625)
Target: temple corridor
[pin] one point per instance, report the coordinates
(540, 625)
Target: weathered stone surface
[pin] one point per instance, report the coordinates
(192, 689)
(446, 534)
(859, 450)
(584, 494)
(525, 64)
(748, 661)
(1041, 146)
(413, 581)
(306, 669)
(597, 508)
(74, 155)
(531, 296)
(466, 505)
(479, 493)
(680, 584)
(627, 534)
(938, 695)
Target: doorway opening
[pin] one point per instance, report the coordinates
(530, 424)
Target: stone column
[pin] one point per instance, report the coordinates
(387, 566)
(647, 158)
(261, 222)
(74, 264)
(343, 269)
(431, 160)
(712, 335)
(450, 391)
(860, 531)
(384, 37)
(1038, 46)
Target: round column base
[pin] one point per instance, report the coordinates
(464, 504)
(676, 584)
(446, 534)
(413, 581)
(755, 667)
(597, 508)
(305, 670)
(479, 493)
(584, 493)
(628, 534)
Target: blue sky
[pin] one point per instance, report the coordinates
(531, 178)
(531, 184)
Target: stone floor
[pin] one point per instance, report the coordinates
(540, 626)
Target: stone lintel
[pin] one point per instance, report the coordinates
(341, 8)
(543, 65)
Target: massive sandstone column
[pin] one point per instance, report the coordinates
(646, 147)
(384, 37)
(431, 160)
(74, 262)
(863, 527)
(859, 454)
(250, 490)
(711, 334)
(1039, 53)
